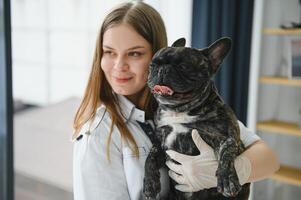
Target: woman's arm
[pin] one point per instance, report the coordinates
(194, 173)
(263, 160)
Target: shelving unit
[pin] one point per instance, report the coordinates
(288, 175)
(280, 80)
(270, 54)
(279, 127)
(279, 31)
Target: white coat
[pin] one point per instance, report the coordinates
(95, 178)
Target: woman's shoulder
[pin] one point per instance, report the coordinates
(101, 116)
(99, 127)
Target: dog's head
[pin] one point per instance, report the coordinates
(176, 73)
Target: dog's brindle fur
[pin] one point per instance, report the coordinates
(194, 104)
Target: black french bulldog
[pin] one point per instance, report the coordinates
(180, 79)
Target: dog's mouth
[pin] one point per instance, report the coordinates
(166, 91)
(163, 90)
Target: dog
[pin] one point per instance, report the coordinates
(180, 79)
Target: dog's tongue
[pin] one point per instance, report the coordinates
(161, 89)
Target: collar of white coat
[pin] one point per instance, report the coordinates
(129, 112)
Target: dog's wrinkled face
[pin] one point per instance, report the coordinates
(177, 72)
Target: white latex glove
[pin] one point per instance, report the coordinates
(195, 173)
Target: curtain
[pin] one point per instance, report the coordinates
(213, 19)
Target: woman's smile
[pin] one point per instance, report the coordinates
(122, 80)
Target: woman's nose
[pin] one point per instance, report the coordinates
(121, 64)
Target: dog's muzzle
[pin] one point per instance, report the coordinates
(162, 90)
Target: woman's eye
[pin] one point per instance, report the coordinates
(135, 53)
(108, 53)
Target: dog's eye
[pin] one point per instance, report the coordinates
(203, 61)
(151, 66)
(183, 66)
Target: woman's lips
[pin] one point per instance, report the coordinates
(122, 80)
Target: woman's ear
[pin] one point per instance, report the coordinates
(179, 43)
(218, 51)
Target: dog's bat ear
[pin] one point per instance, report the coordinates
(218, 51)
(179, 43)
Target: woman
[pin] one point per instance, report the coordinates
(110, 147)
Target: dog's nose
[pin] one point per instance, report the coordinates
(162, 90)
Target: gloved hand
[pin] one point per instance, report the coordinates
(195, 173)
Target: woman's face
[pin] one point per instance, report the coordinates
(125, 60)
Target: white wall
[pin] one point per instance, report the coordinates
(53, 43)
(177, 15)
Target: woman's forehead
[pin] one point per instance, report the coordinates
(123, 36)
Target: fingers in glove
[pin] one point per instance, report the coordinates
(184, 188)
(203, 147)
(199, 142)
(174, 167)
(176, 177)
(180, 158)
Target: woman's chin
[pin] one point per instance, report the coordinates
(125, 92)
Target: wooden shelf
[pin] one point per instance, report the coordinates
(279, 127)
(280, 31)
(288, 175)
(280, 80)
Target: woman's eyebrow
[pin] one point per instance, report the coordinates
(132, 48)
(108, 47)
(136, 47)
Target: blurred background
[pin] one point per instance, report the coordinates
(52, 44)
(52, 50)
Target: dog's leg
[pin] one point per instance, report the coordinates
(154, 161)
(227, 180)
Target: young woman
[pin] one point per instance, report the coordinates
(110, 147)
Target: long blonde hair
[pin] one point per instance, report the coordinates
(149, 24)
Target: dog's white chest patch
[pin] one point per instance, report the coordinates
(176, 121)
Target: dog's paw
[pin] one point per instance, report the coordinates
(148, 198)
(227, 182)
(151, 189)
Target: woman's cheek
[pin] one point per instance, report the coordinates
(106, 65)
